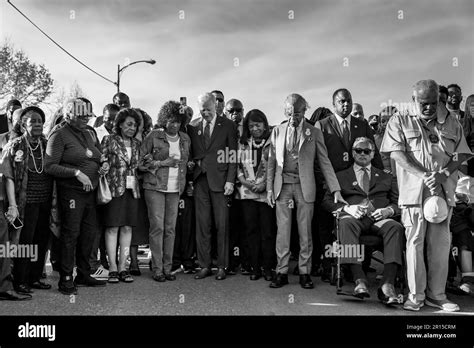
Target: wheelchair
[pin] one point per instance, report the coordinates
(371, 244)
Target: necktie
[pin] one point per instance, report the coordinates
(291, 138)
(207, 134)
(345, 134)
(365, 180)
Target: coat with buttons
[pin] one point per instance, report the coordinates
(158, 146)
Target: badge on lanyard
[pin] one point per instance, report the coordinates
(131, 182)
(89, 153)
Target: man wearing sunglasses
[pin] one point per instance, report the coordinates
(340, 130)
(428, 152)
(239, 248)
(372, 196)
(220, 102)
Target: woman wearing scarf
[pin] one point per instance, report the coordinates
(259, 218)
(29, 189)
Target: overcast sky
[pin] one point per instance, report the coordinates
(251, 50)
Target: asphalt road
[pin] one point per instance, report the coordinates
(237, 295)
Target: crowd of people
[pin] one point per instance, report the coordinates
(227, 191)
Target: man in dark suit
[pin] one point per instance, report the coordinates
(340, 130)
(373, 199)
(214, 150)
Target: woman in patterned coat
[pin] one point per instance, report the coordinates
(121, 150)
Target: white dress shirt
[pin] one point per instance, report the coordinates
(211, 126)
(340, 120)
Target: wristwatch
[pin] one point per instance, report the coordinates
(77, 172)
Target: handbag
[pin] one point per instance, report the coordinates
(104, 195)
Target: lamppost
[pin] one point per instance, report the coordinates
(120, 69)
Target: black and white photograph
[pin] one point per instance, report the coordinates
(212, 171)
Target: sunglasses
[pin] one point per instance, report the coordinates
(231, 111)
(220, 100)
(365, 151)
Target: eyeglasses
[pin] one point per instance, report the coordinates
(365, 151)
(237, 110)
(220, 100)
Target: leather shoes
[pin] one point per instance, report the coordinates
(256, 276)
(203, 273)
(220, 274)
(361, 289)
(88, 281)
(170, 276)
(159, 277)
(388, 296)
(40, 285)
(306, 282)
(268, 275)
(13, 296)
(23, 289)
(279, 280)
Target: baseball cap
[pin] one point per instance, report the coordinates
(435, 209)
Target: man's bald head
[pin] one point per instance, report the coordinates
(234, 110)
(425, 97)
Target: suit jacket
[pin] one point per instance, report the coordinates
(312, 152)
(341, 157)
(221, 158)
(115, 153)
(4, 123)
(383, 191)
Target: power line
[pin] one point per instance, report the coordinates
(69, 54)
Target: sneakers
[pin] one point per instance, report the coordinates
(466, 285)
(445, 305)
(100, 273)
(412, 306)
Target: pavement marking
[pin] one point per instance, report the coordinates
(323, 304)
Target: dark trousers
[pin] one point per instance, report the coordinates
(185, 239)
(260, 229)
(5, 262)
(239, 245)
(99, 243)
(78, 229)
(35, 232)
(208, 203)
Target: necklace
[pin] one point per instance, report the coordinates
(172, 136)
(257, 146)
(39, 171)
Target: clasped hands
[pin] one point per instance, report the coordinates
(253, 186)
(358, 211)
(433, 180)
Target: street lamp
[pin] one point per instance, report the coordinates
(120, 69)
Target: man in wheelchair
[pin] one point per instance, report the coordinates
(373, 201)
